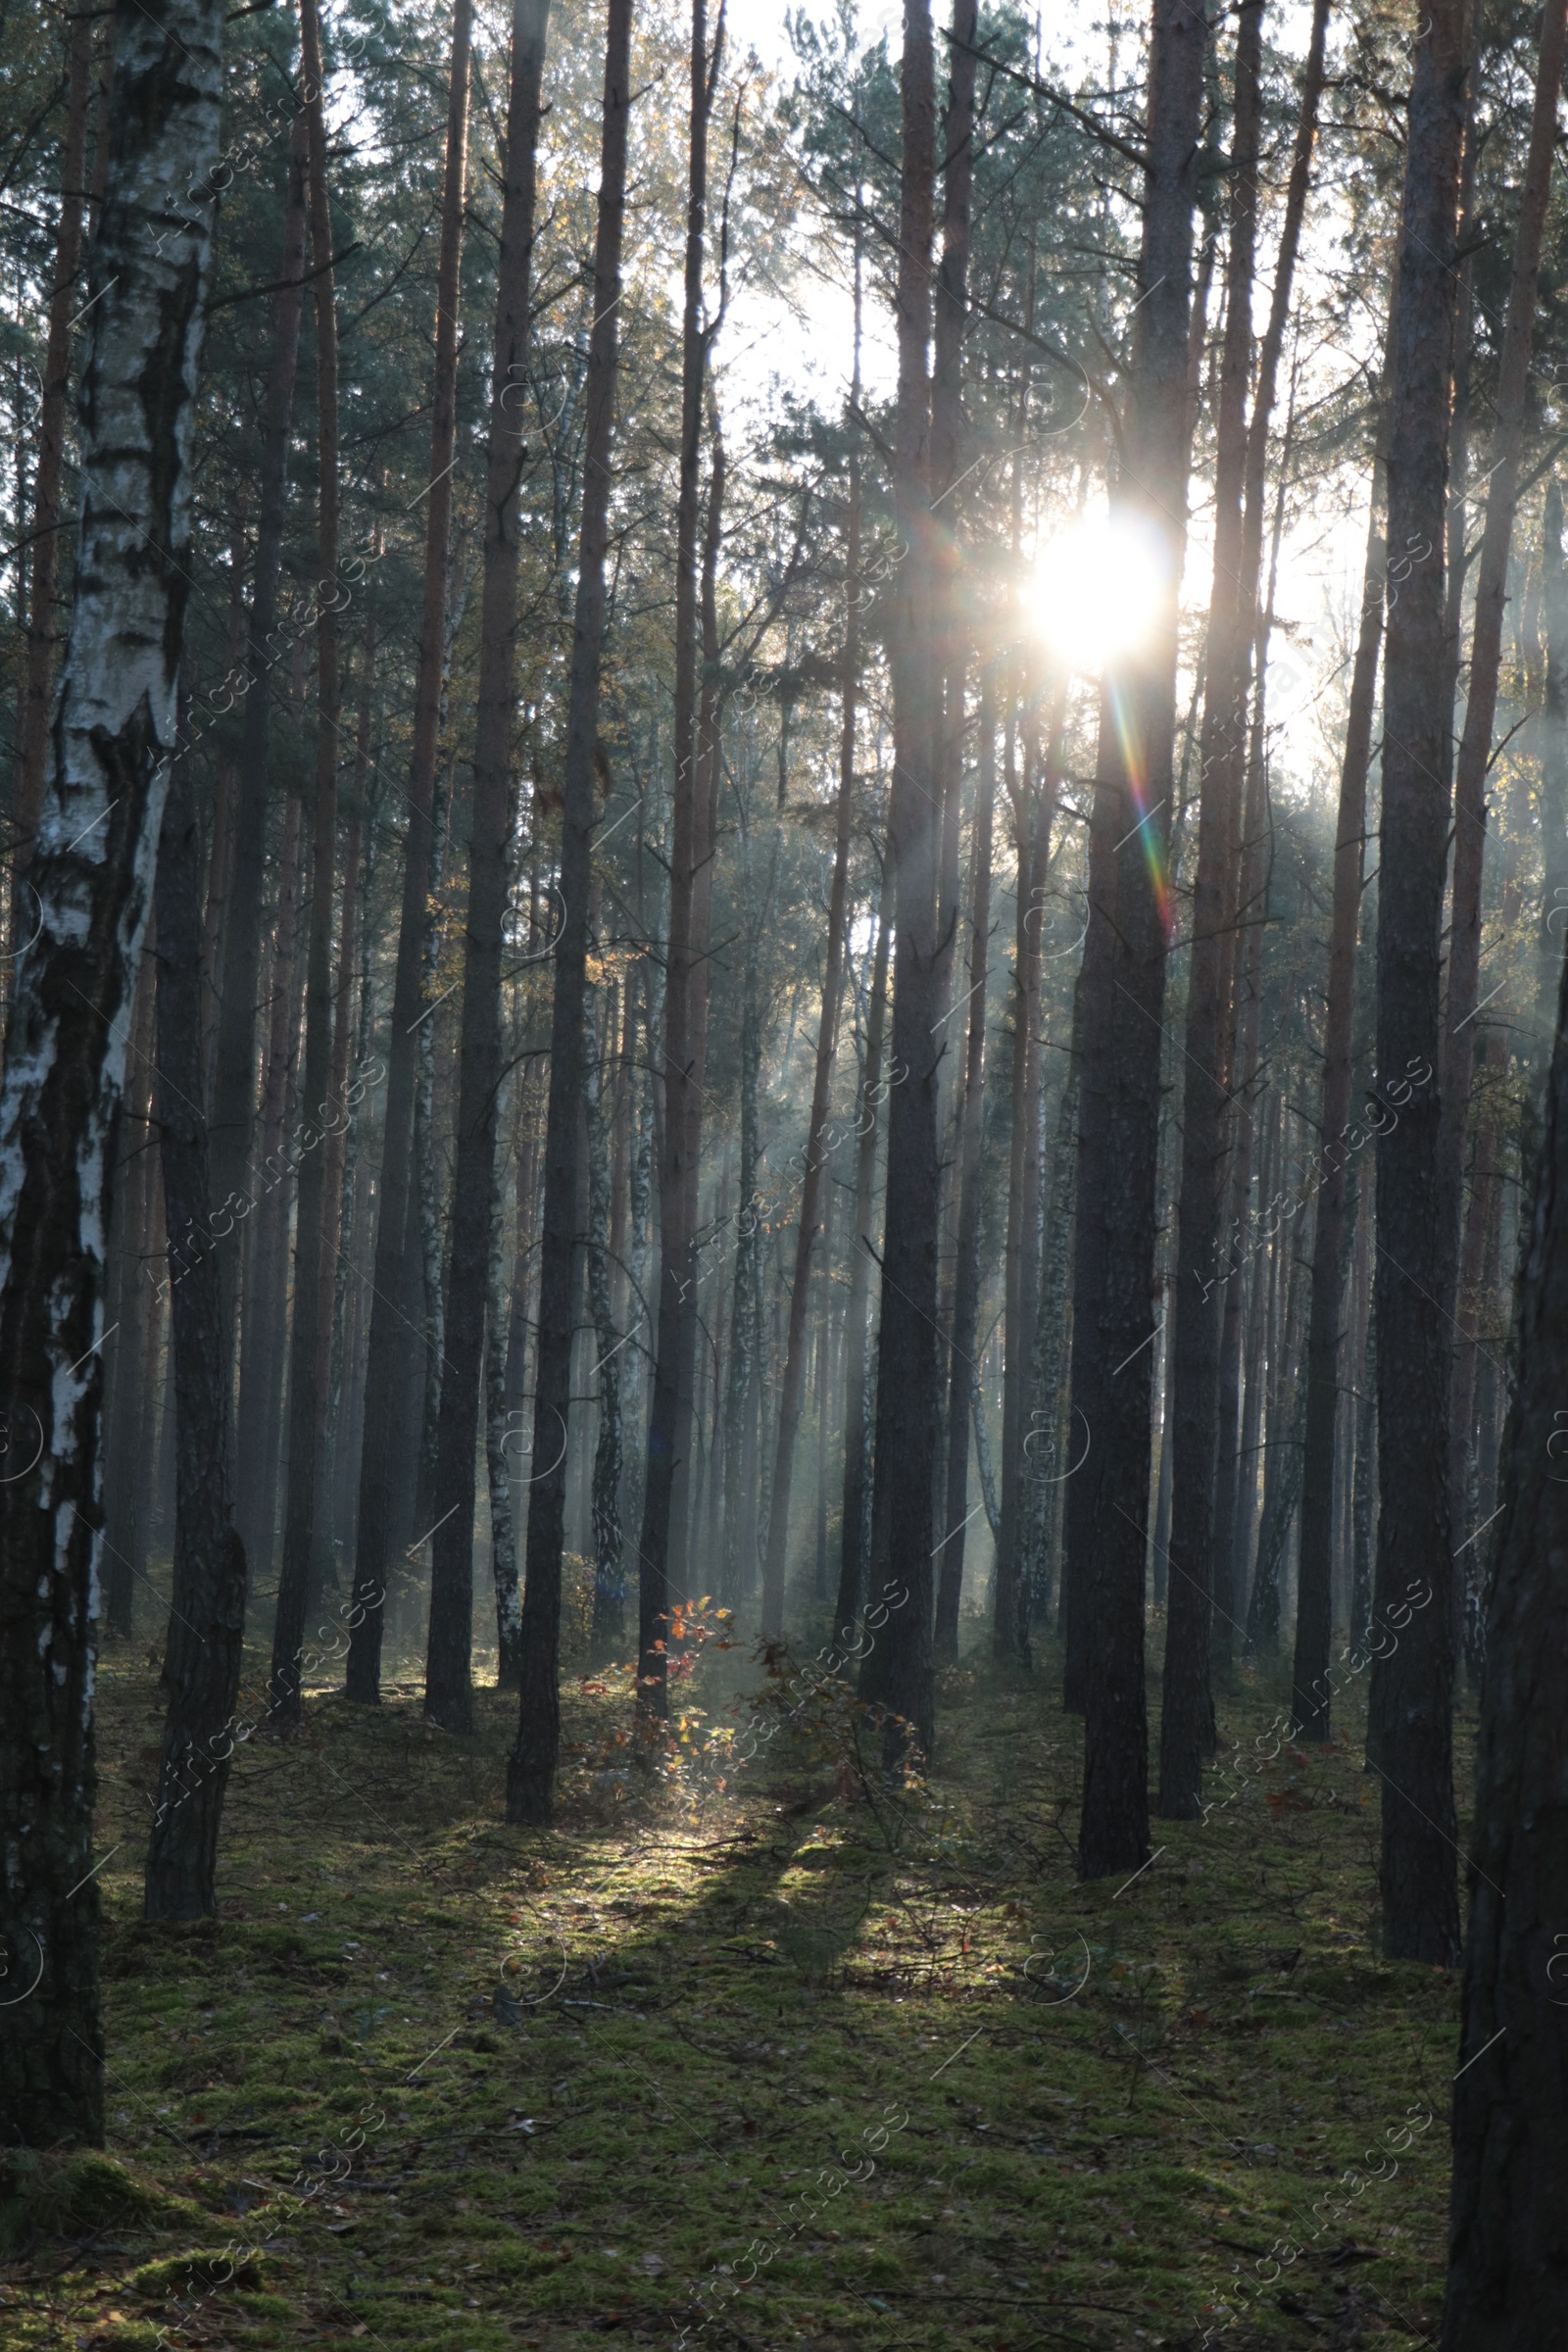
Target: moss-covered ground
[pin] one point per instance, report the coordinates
(746, 2053)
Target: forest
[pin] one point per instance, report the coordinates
(784, 794)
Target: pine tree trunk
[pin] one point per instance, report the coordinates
(498, 1470)
(1554, 925)
(1459, 1029)
(1413, 1689)
(1186, 1734)
(234, 1051)
(333, 1273)
(1136, 776)
(1241, 1335)
(1051, 1463)
(1091, 1048)
(610, 1583)
(221, 850)
(1310, 1685)
(1508, 2244)
(1033, 811)
(852, 1550)
(307, 1358)
(668, 1422)
(966, 1281)
(112, 734)
(265, 1323)
(684, 1449)
(531, 1766)
(207, 1618)
(896, 1674)
(448, 1695)
(815, 1156)
(1365, 1482)
(390, 1361)
(426, 1334)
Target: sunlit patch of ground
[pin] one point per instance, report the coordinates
(752, 2054)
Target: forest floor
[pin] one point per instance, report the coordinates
(748, 2053)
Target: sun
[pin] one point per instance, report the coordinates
(1097, 590)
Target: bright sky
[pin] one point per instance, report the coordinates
(806, 349)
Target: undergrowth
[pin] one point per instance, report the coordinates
(753, 2048)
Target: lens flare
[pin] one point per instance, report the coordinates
(1097, 590)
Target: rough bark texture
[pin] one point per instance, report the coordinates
(1412, 1689)
(389, 1360)
(1508, 2247)
(966, 1281)
(1033, 811)
(857, 1349)
(207, 1618)
(677, 1270)
(1553, 924)
(897, 1673)
(531, 1766)
(134, 1310)
(33, 719)
(816, 1170)
(307, 1364)
(609, 1580)
(234, 1051)
(1310, 1685)
(1186, 1733)
(1135, 776)
(265, 1322)
(1460, 1029)
(113, 735)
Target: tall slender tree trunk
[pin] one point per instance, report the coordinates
(610, 1584)
(1460, 1031)
(264, 1324)
(307, 1355)
(350, 1039)
(953, 651)
(1092, 1047)
(498, 1470)
(32, 730)
(685, 1447)
(234, 1050)
(429, 1197)
(1421, 1914)
(1310, 1687)
(1364, 1479)
(531, 1766)
(1186, 1712)
(1508, 2238)
(853, 1558)
(678, 1271)
(967, 1279)
(1049, 1464)
(817, 1169)
(1554, 923)
(1135, 777)
(113, 735)
(207, 1619)
(1034, 810)
(137, 1292)
(448, 1693)
(220, 845)
(896, 1674)
(390, 1359)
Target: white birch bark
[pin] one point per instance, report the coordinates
(87, 896)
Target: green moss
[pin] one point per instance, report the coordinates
(201, 2273)
(893, 2040)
